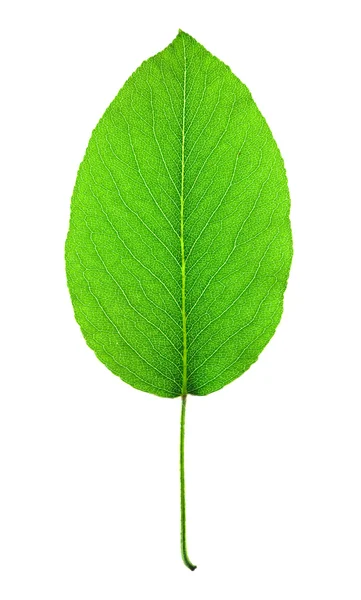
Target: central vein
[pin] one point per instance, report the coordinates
(184, 316)
(184, 551)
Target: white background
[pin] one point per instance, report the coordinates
(89, 505)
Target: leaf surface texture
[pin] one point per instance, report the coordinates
(179, 244)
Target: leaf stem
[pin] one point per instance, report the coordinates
(184, 552)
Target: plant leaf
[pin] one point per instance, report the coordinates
(179, 245)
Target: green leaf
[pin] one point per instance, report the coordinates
(179, 244)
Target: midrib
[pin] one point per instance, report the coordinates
(184, 316)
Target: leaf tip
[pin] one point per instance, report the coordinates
(182, 33)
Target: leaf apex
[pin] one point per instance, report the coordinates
(182, 33)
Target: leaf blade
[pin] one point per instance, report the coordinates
(183, 131)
